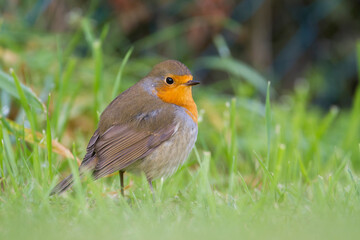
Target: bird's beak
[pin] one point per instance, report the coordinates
(191, 83)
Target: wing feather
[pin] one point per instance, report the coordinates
(121, 146)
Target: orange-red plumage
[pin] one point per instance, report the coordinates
(179, 94)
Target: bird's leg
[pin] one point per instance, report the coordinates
(151, 188)
(121, 174)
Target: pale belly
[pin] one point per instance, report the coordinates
(166, 158)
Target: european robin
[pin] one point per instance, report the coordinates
(150, 128)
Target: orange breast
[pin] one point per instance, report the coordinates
(180, 95)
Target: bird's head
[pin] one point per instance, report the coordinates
(172, 81)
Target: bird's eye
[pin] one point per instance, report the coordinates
(169, 80)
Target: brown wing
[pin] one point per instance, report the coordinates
(90, 149)
(121, 146)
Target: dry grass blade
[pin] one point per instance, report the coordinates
(57, 147)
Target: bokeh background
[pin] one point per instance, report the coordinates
(285, 41)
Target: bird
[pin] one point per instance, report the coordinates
(150, 128)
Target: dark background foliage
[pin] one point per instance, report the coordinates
(286, 41)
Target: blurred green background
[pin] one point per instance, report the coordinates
(274, 161)
(286, 41)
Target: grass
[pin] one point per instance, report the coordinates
(271, 167)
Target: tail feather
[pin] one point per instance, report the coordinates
(63, 185)
(87, 165)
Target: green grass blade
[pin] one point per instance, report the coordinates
(96, 49)
(31, 116)
(98, 61)
(263, 166)
(355, 183)
(77, 179)
(246, 189)
(8, 85)
(221, 46)
(2, 172)
(10, 167)
(205, 192)
(232, 145)
(268, 124)
(352, 135)
(61, 101)
(49, 138)
(104, 32)
(86, 27)
(303, 170)
(236, 68)
(23, 100)
(119, 74)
